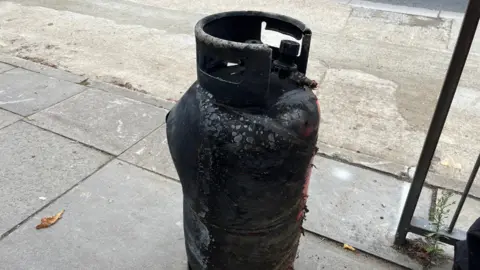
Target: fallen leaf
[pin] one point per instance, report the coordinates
(49, 221)
(347, 246)
(451, 164)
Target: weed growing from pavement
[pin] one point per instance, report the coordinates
(438, 219)
(428, 251)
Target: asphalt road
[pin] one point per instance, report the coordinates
(447, 5)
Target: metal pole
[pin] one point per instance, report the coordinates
(464, 195)
(455, 69)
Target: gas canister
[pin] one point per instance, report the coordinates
(242, 139)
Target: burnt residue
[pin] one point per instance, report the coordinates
(226, 38)
(243, 178)
(243, 156)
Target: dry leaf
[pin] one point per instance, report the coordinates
(49, 221)
(451, 164)
(347, 246)
(445, 163)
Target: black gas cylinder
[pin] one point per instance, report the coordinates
(467, 252)
(242, 139)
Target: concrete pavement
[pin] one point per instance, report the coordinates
(101, 156)
(443, 5)
(99, 152)
(380, 71)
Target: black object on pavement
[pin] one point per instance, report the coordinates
(467, 252)
(242, 139)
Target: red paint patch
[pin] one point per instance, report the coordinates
(305, 191)
(307, 131)
(318, 107)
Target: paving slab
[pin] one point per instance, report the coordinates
(396, 8)
(359, 207)
(321, 15)
(7, 118)
(25, 92)
(37, 166)
(458, 148)
(456, 25)
(152, 154)
(42, 66)
(137, 95)
(421, 73)
(149, 41)
(5, 67)
(449, 183)
(365, 108)
(451, 15)
(367, 161)
(121, 12)
(372, 115)
(106, 121)
(317, 253)
(398, 28)
(123, 217)
(157, 65)
(446, 266)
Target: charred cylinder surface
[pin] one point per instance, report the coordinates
(242, 139)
